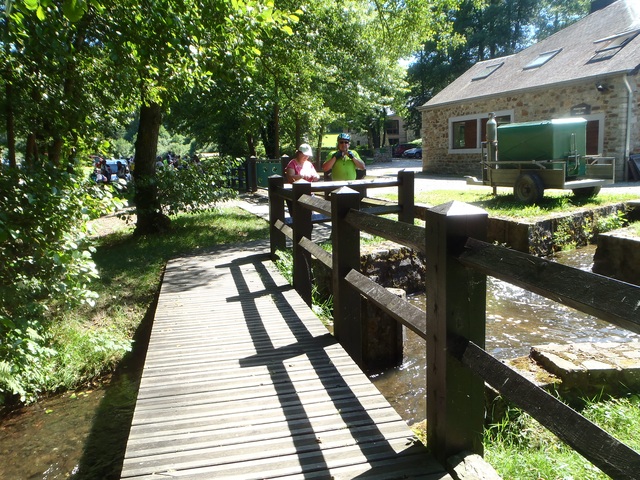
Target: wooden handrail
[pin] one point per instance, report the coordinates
(402, 311)
(606, 298)
(457, 263)
(284, 228)
(398, 232)
(317, 251)
(606, 452)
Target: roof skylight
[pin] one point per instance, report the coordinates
(486, 71)
(608, 47)
(542, 59)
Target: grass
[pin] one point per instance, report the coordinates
(504, 205)
(520, 448)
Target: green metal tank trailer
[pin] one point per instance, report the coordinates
(534, 156)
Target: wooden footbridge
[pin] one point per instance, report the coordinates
(243, 381)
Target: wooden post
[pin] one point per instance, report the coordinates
(252, 174)
(406, 196)
(284, 161)
(383, 336)
(347, 325)
(302, 227)
(277, 239)
(456, 304)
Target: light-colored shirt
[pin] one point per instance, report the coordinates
(307, 170)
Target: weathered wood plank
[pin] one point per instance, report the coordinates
(317, 204)
(330, 430)
(404, 312)
(405, 234)
(242, 381)
(274, 458)
(148, 419)
(317, 251)
(239, 416)
(283, 228)
(381, 210)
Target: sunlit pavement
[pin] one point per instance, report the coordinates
(425, 182)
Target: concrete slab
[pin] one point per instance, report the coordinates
(608, 367)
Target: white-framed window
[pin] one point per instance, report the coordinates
(466, 133)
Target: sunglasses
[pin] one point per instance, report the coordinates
(344, 141)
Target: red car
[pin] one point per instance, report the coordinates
(398, 150)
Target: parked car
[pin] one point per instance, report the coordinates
(398, 150)
(412, 153)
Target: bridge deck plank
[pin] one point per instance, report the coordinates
(242, 381)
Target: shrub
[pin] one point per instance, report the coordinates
(198, 186)
(47, 266)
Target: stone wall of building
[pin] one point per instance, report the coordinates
(381, 155)
(538, 104)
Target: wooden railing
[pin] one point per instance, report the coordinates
(458, 260)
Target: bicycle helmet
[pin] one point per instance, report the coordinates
(344, 136)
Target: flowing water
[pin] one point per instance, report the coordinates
(83, 436)
(45, 441)
(80, 436)
(516, 320)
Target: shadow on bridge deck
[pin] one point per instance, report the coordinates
(242, 381)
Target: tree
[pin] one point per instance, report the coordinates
(341, 63)
(483, 31)
(554, 15)
(164, 47)
(54, 76)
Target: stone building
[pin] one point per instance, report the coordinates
(589, 70)
(395, 132)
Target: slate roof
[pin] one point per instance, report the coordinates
(573, 62)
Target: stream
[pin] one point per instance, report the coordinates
(516, 320)
(83, 435)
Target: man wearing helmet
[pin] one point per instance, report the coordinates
(344, 162)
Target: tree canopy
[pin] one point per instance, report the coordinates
(246, 76)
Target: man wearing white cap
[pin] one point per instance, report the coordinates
(300, 166)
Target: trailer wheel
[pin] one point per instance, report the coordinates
(586, 192)
(528, 188)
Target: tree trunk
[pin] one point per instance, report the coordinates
(55, 151)
(11, 131)
(251, 145)
(276, 121)
(298, 139)
(150, 218)
(374, 131)
(31, 153)
(318, 159)
(276, 130)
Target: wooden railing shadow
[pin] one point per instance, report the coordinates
(458, 260)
